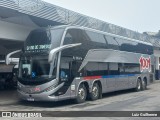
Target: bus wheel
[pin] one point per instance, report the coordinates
(82, 94)
(144, 84)
(94, 95)
(139, 86)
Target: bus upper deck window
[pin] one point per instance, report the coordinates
(68, 39)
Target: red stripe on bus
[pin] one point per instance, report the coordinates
(92, 77)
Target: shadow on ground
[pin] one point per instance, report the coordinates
(11, 94)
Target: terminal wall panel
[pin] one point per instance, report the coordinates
(14, 31)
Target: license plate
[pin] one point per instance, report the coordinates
(30, 99)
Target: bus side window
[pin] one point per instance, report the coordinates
(92, 69)
(113, 69)
(131, 68)
(103, 68)
(68, 39)
(121, 68)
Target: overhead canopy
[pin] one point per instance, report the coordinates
(36, 13)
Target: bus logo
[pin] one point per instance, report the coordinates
(145, 64)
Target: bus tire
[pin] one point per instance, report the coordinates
(144, 84)
(139, 85)
(95, 93)
(82, 94)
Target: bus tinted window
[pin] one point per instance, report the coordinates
(111, 42)
(43, 40)
(126, 45)
(145, 49)
(38, 40)
(92, 69)
(96, 69)
(113, 69)
(132, 46)
(103, 68)
(73, 36)
(38, 37)
(97, 39)
(68, 39)
(121, 68)
(56, 37)
(131, 68)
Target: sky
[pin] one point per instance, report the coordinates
(136, 15)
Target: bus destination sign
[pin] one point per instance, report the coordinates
(38, 48)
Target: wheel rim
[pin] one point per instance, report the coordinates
(81, 93)
(139, 85)
(144, 84)
(95, 91)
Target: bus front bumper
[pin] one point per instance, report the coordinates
(34, 93)
(45, 96)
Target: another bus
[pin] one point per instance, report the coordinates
(72, 62)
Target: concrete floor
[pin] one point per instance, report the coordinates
(127, 100)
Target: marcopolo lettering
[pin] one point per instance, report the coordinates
(145, 63)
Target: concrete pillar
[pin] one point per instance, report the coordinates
(157, 56)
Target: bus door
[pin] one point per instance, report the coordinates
(67, 74)
(64, 76)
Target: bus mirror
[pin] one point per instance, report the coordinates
(53, 52)
(13, 60)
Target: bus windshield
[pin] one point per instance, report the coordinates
(37, 70)
(43, 40)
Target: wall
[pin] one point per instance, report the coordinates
(13, 31)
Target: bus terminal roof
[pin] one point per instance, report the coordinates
(41, 14)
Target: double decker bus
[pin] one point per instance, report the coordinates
(72, 62)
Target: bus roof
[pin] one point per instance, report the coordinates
(66, 27)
